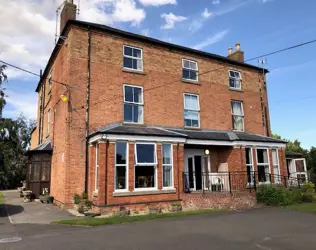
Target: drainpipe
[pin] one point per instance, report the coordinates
(178, 145)
(87, 110)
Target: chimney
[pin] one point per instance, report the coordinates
(68, 13)
(238, 55)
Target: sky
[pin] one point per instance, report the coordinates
(27, 29)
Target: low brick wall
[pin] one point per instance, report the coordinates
(194, 201)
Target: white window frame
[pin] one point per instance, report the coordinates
(134, 103)
(122, 165)
(264, 164)
(251, 165)
(276, 165)
(186, 109)
(196, 70)
(96, 177)
(171, 165)
(146, 164)
(48, 123)
(132, 57)
(243, 115)
(230, 77)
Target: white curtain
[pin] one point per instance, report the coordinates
(238, 115)
(191, 102)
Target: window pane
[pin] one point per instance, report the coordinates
(248, 156)
(186, 64)
(237, 84)
(137, 53)
(193, 75)
(139, 65)
(193, 65)
(274, 157)
(137, 113)
(144, 176)
(192, 115)
(299, 164)
(187, 123)
(145, 153)
(191, 102)
(134, 63)
(186, 74)
(195, 123)
(232, 83)
(237, 108)
(121, 177)
(36, 171)
(128, 51)
(237, 75)
(137, 95)
(231, 73)
(167, 176)
(166, 153)
(262, 156)
(128, 112)
(276, 170)
(128, 63)
(45, 171)
(121, 152)
(238, 123)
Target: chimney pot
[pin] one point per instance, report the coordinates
(230, 50)
(237, 46)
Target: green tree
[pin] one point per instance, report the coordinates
(3, 78)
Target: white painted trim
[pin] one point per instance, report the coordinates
(264, 164)
(198, 110)
(197, 69)
(172, 166)
(132, 57)
(240, 79)
(122, 165)
(235, 143)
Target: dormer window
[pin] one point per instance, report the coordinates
(234, 79)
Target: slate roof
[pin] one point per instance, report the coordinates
(216, 135)
(44, 147)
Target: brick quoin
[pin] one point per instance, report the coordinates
(163, 106)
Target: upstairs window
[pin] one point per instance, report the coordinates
(133, 104)
(191, 111)
(234, 79)
(189, 70)
(50, 81)
(133, 58)
(238, 115)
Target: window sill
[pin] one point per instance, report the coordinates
(134, 71)
(237, 90)
(133, 123)
(193, 128)
(191, 81)
(143, 192)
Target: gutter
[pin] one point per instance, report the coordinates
(88, 110)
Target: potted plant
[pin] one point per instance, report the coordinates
(43, 198)
(50, 199)
(77, 201)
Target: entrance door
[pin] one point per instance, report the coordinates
(198, 172)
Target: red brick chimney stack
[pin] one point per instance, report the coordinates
(68, 13)
(238, 55)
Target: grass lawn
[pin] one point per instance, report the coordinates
(1, 198)
(88, 221)
(304, 207)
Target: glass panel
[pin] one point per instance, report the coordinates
(186, 64)
(191, 115)
(139, 65)
(191, 173)
(145, 153)
(248, 156)
(276, 170)
(134, 63)
(167, 175)
(128, 63)
(128, 112)
(195, 123)
(193, 75)
(144, 176)
(237, 108)
(121, 152)
(45, 171)
(191, 102)
(237, 84)
(137, 53)
(128, 94)
(166, 154)
(186, 74)
(193, 65)
(121, 177)
(36, 172)
(137, 95)
(231, 73)
(238, 123)
(299, 165)
(262, 156)
(128, 51)
(261, 174)
(274, 157)
(137, 113)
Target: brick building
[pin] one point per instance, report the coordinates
(133, 120)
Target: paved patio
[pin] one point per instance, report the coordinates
(33, 212)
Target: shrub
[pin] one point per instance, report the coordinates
(88, 203)
(77, 199)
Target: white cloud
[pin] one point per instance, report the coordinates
(21, 103)
(211, 40)
(171, 19)
(216, 2)
(206, 13)
(157, 2)
(145, 32)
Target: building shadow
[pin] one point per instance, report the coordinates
(12, 210)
